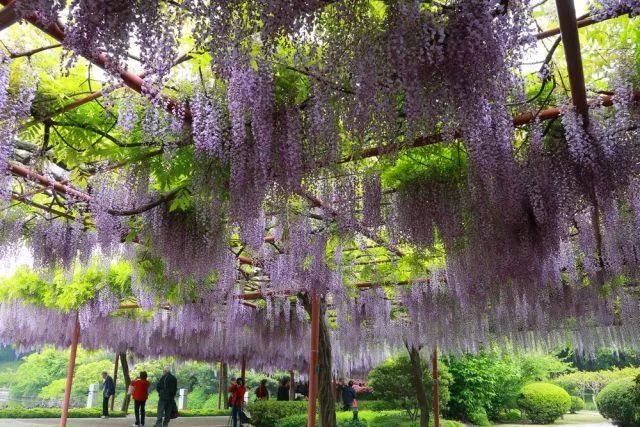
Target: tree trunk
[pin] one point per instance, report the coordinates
(225, 388)
(127, 382)
(325, 384)
(326, 400)
(418, 383)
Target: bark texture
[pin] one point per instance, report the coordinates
(127, 382)
(418, 383)
(326, 401)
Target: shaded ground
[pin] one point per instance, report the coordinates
(582, 419)
(114, 422)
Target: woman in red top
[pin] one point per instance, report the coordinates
(140, 394)
(236, 399)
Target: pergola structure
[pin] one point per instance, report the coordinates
(320, 209)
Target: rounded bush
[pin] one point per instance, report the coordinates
(544, 403)
(617, 402)
(577, 404)
(266, 413)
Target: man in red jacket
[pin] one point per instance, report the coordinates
(140, 394)
(236, 400)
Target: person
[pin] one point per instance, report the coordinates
(283, 389)
(140, 394)
(108, 390)
(261, 391)
(348, 394)
(236, 400)
(167, 388)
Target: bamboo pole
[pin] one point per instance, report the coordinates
(70, 371)
(313, 362)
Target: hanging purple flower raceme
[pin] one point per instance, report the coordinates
(207, 126)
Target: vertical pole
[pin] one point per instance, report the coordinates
(115, 379)
(436, 390)
(292, 386)
(243, 368)
(313, 362)
(72, 365)
(571, 44)
(220, 387)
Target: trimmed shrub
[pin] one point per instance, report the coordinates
(544, 403)
(55, 413)
(268, 412)
(617, 402)
(186, 413)
(577, 404)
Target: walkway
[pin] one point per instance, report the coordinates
(581, 419)
(114, 422)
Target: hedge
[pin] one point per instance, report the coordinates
(267, 413)
(372, 418)
(56, 413)
(617, 402)
(577, 404)
(194, 412)
(544, 403)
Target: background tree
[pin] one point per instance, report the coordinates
(392, 382)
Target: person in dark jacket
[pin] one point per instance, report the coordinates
(348, 395)
(283, 389)
(108, 390)
(167, 388)
(262, 393)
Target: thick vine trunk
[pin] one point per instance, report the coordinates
(418, 383)
(325, 386)
(225, 388)
(326, 401)
(127, 382)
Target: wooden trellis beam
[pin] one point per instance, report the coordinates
(8, 15)
(571, 43)
(436, 138)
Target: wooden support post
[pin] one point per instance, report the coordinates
(313, 360)
(292, 386)
(70, 370)
(115, 379)
(243, 369)
(436, 390)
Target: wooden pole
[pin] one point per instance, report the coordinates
(292, 386)
(243, 369)
(115, 378)
(70, 370)
(313, 362)
(436, 390)
(571, 44)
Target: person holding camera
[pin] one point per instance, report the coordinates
(236, 399)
